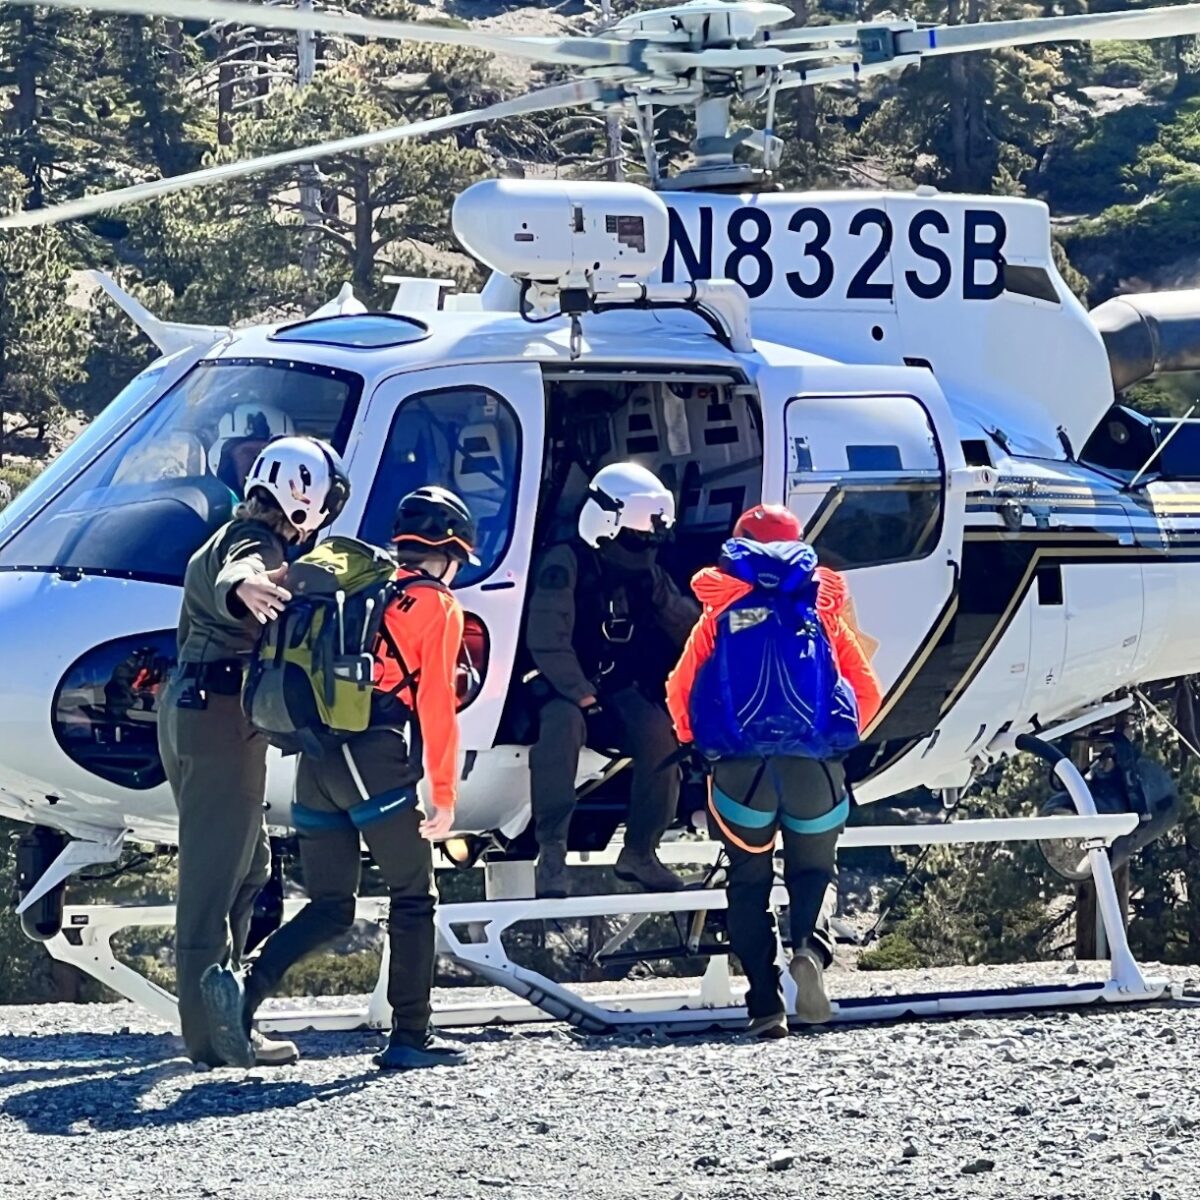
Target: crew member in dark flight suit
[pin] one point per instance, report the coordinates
(603, 621)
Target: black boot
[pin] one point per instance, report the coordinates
(411, 1049)
(551, 874)
(647, 870)
(225, 1003)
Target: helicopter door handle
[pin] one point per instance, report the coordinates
(974, 480)
(501, 586)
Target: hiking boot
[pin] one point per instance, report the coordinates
(224, 1000)
(646, 870)
(409, 1050)
(273, 1052)
(768, 1028)
(808, 972)
(550, 875)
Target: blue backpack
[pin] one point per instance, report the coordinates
(771, 686)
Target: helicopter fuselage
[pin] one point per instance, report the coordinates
(920, 390)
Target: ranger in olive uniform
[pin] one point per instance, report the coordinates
(366, 787)
(214, 759)
(601, 616)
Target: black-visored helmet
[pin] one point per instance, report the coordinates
(435, 518)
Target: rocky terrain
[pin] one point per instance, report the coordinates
(95, 1101)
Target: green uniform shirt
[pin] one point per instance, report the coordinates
(551, 634)
(214, 623)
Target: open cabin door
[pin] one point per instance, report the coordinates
(868, 475)
(478, 430)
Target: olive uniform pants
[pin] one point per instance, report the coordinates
(750, 801)
(216, 764)
(629, 722)
(367, 787)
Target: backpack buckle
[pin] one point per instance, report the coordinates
(747, 618)
(617, 629)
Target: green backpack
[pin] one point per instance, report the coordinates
(311, 677)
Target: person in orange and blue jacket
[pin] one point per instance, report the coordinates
(787, 689)
(368, 787)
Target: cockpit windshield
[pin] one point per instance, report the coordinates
(148, 501)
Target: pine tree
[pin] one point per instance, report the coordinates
(65, 118)
(42, 336)
(969, 122)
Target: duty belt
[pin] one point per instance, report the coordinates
(223, 677)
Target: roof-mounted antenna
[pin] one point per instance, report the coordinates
(344, 304)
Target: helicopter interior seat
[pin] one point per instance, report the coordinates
(479, 479)
(241, 434)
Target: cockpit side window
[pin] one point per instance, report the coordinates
(148, 501)
(865, 474)
(466, 439)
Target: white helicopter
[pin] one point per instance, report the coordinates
(906, 370)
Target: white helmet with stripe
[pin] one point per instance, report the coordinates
(305, 477)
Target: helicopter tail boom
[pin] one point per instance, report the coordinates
(1155, 333)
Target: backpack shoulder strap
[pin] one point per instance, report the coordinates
(396, 588)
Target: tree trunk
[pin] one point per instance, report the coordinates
(262, 81)
(364, 229)
(806, 98)
(1187, 82)
(174, 31)
(25, 110)
(959, 114)
(226, 74)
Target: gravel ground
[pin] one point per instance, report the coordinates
(96, 1102)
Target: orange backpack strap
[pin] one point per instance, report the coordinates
(408, 679)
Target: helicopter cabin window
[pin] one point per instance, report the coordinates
(147, 502)
(104, 709)
(868, 501)
(466, 439)
(699, 434)
(357, 331)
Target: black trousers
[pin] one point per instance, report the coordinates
(641, 729)
(330, 813)
(751, 801)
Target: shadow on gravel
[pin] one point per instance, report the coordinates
(699, 1037)
(114, 1103)
(109, 1048)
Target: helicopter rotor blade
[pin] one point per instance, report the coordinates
(890, 46)
(1138, 25)
(569, 51)
(566, 95)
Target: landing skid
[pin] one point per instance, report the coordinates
(471, 935)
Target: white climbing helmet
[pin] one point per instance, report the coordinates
(624, 496)
(305, 477)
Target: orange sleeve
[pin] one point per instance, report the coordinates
(429, 634)
(854, 666)
(696, 652)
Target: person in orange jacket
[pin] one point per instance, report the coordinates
(753, 798)
(368, 788)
